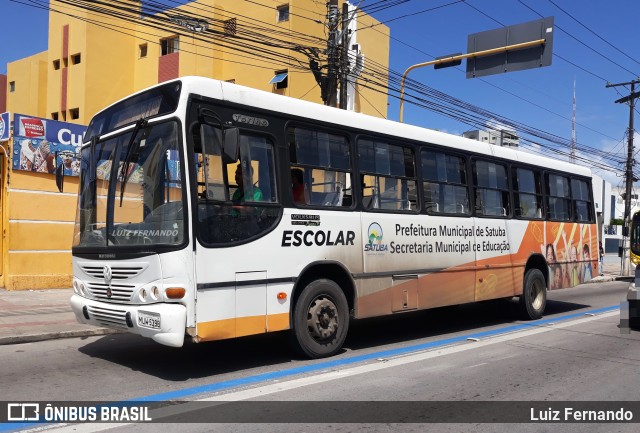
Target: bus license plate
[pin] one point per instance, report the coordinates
(149, 320)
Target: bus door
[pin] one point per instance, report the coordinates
(251, 303)
(391, 271)
(494, 274)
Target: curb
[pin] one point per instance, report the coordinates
(31, 338)
(609, 278)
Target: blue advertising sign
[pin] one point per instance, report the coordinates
(36, 142)
(4, 127)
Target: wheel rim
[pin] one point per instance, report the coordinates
(536, 295)
(322, 319)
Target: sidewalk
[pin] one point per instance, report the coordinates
(36, 315)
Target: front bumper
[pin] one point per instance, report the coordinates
(173, 318)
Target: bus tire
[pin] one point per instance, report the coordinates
(320, 319)
(534, 295)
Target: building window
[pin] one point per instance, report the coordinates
(54, 116)
(75, 59)
(56, 64)
(281, 79)
(169, 45)
(283, 13)
(74, 113)
(12, 86)
(232, 81)
(230, 27)
(142, 51)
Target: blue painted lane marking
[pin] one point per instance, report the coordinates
(250, 380)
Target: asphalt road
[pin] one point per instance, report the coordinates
(450, 354)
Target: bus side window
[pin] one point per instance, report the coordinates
(582, 203)
(322, 160)
(444, 183)
(491, 189)
(388, 179)
(527, 193)
(558, 197)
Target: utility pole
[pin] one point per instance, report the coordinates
(332, 55)
(629, 171)
(573, 125)
(344, 60)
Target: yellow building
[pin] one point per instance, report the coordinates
(95, 58)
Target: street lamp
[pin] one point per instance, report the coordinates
(453, 60)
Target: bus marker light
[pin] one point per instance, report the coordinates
(282, 295)
(175, 292)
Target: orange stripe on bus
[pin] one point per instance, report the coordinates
(242, 326)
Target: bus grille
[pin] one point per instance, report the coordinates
(117, 272)
(108, 317)
(119, 292)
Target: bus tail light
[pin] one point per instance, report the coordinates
(175, 292)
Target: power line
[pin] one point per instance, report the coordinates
(578, 40)
(413, 14)
(377, 77)
(594, 33)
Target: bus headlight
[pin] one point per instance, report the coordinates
(82, 289)
(75, 287)
(155, 293)
(143, 295)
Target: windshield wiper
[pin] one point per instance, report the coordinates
(124, 171)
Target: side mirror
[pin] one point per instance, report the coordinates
(59, 174)
(230, 145)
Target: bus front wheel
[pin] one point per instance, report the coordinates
(320, 319)
(534, 295)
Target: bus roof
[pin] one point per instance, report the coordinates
(260, 99)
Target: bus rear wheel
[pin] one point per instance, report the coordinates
(320, 319)
(534, 295)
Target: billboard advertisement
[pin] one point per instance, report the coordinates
(36, 142)
(4, 127)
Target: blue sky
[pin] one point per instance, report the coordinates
(541, 98)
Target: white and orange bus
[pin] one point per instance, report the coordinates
(188, 223)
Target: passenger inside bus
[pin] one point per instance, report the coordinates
(252, 192)
(297, 185)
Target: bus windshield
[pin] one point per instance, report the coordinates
(144, 205)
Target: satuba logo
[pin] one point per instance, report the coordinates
(375, 239)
